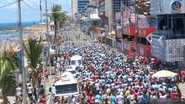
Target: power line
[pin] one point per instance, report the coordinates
(30, 6)
(9, 4)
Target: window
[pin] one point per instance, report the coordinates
(76, 62)
(63, 89)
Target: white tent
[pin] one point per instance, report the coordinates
(52, 51)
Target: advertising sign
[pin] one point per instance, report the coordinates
(170, 7)
(176, 6)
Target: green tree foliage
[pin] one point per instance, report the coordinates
(33, 51)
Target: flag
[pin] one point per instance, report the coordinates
(160, 40)
(149, 38)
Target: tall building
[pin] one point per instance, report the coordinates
(116, 7)
(93, 2)
(81, 5)
(74, 7)
(107, 11)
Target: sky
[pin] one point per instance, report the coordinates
(9, 13)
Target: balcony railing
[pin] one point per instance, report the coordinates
(129, 30)
(169, 34)
(144, 32)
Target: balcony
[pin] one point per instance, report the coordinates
(144, 32)
(128, 46)
(118, 16)
(129, 31)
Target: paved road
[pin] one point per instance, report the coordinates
(79, 39)
(76, 37)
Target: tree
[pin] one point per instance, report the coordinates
(33, 52)
(58, 17)
(8, 68)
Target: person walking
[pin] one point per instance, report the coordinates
(30, 92)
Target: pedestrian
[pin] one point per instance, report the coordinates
(53, 90)
(56, 100)
(30, 92)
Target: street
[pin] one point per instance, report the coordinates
(107, 76)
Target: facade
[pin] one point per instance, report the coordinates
(93, 2)
(81, 5)
(107, 12)
(132, 36)
(168, 41)
(74, 8)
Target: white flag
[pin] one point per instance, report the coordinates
(149, 38)
(160, 40)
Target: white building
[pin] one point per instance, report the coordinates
(74, 7)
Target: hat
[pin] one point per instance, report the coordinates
(131, 97)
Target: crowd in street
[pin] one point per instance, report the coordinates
(107, 78)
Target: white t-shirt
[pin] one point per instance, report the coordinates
(108, 90)
(30, 90)
(97, 86)
(120, 99)
(18, 91)
(53, 90)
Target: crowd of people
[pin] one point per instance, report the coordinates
(107, 78)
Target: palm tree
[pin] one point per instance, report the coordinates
(33, 52)
(8, 68)
(58, 17)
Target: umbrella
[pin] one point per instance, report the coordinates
(164, 73)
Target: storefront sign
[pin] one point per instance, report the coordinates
(167, 6)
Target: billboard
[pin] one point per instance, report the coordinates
(167, 7)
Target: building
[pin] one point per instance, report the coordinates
(107, 12)
(168, 41)
(133, 30)
(81, 5)
(74, 8)
(77, 6)
(93, 2)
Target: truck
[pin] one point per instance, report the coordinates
(66, 85)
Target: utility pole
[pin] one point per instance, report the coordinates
(22, 52)
(46, 16)
(41, 11)
(48, 43)
(47, 29)
(121, 25)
